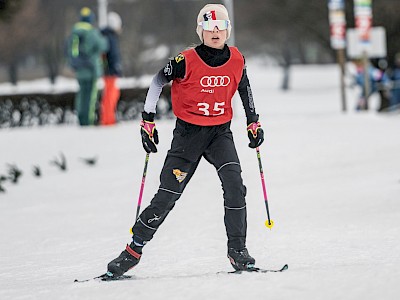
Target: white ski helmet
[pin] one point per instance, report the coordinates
(114, 21)
(215, 11)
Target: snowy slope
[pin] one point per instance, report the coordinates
(333, 181)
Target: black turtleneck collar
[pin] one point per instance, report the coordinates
(212, 56)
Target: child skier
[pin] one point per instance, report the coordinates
(204, 81)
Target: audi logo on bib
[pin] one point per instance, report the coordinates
(215, 81)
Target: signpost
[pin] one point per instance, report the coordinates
(337, 22)
(102, 11)
(363, 21)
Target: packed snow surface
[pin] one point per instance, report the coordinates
(333, 183)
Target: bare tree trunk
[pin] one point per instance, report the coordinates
(52, 61)
(13, 72)
(287, 61)
(286, 77)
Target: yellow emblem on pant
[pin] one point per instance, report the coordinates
(180, 176)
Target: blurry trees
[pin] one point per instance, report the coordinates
(8, 8)
(289, 31)
(154, 30)
(21, 36)
(52, 44)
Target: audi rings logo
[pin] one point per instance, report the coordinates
(215, 81)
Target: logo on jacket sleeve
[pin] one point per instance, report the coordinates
(168, 69)
(180, 176)
(179, 58)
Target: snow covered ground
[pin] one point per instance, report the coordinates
(333, 181)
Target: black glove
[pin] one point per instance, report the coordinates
(256, 134)
(149, 132)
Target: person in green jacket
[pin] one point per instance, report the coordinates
(85, 48)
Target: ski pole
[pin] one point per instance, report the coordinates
(269, 223)
(139, 203)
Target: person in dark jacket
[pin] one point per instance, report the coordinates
(377, 81)
(395, 78)
(112, 70)
(85, 47)
(205, 78)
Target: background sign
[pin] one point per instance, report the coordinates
(337, 23)
(363, 19)
(376, 46)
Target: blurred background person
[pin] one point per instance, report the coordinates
(85, 47)
(395, 78)
(112, 69)
(377, 81)
(383, 84)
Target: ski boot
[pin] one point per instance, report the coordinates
(123, 263)
(241, 259)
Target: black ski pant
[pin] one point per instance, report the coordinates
(190, 143)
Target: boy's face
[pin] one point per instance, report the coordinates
(215, 39)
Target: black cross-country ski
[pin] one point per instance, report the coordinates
(256, 270)
(109, 277)
(105, 277)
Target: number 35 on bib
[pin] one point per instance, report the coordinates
(216, 110)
